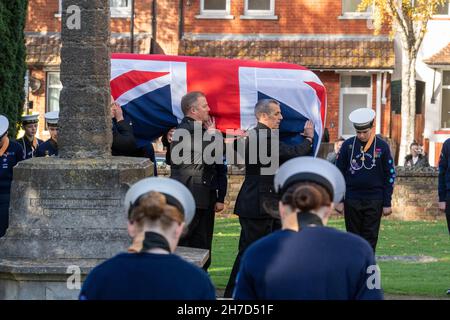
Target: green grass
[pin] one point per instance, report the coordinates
(399, 238)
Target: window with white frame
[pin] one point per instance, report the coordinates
(259, 7)
(119, 8)
(445, 100)
(443, 10)
(54, 87)
(355, 93)
(214, 7)
(350, 8)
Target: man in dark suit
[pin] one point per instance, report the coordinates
(188, 166)
(257, 197)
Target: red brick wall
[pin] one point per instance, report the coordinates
(167, 26)
(331, 83)
(294, 16)
(41, 17)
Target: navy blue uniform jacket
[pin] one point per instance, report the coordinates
(147, 276)
(444, 172)
(28, 148)
(10, 158)
(376, 183)
(317, 263)
(48, 148)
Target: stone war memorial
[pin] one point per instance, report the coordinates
(66, 212)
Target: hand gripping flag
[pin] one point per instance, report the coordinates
(150, 87)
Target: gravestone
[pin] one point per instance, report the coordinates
(66, 212)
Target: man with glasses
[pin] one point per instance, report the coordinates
(368, 169)
(50, 147)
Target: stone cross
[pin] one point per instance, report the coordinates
(85, 121)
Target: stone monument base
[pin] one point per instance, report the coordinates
(59, 279)
(64, 212)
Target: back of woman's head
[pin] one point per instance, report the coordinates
(152, 208)
(306, 196)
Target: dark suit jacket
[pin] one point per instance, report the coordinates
(196, 175)
(257, 196)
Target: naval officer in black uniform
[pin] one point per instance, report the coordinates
(10, 154)
(50, 147)
(29, 142)
(366, 163)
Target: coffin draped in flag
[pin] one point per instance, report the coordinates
(150, 87)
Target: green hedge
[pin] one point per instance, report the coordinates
(12, 60)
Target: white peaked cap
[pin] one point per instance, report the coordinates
(311, 169)
(170, 188)
(30, 117)
(52, 117)
(4, 125)
(362, 118)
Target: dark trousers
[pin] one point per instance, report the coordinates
(447, 212)
(251, 230)
(200, 232)
(363, 217)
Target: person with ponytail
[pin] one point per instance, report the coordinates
(159, 210)
(307, 260)
(10, 154)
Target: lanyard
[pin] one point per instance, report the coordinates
(353, 162)
(4, 147)
(33, 146)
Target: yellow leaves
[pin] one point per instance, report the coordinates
(407, 14)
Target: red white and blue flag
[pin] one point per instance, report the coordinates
(150, 87)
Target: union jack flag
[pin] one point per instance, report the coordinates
(150, 87)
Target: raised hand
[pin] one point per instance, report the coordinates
(308, 131)
(210, 124)
(116, 111)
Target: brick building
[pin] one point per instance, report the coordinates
(328, 36)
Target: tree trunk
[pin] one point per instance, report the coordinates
(408, 102)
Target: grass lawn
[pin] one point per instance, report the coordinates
(397, 238)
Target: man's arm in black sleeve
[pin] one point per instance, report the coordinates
(123, 138)
(288, 152)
